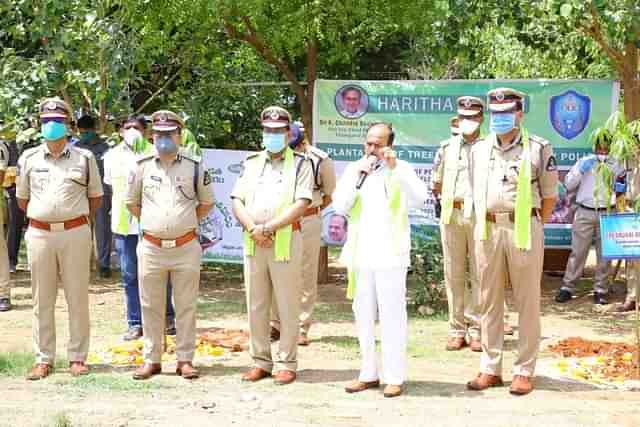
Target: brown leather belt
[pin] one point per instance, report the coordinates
(457, 204)
(311, 211)
(296, 226)
(58, 226)
(491, 217)
(170, 243)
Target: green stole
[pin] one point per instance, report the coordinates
(282, 244)
(399, 220)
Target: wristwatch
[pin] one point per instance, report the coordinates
(266, 231)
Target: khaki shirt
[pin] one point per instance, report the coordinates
(263, 198)
(57, 189)
(444, 160)
(324, 174)
(504, 167)
(167, 194)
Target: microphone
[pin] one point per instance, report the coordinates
(363, 175)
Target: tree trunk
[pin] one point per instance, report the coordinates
(312, 69)
(631, 82)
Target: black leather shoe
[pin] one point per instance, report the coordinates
(105, 272)
(563, 296)
(133, 333)
(5, 304)
(600, 298)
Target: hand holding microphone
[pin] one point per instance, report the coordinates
(365, 166)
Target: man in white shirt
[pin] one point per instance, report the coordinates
(586, 224)
(377, 254)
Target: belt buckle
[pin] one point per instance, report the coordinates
(167, 244)
(503, 218)
(56, 226)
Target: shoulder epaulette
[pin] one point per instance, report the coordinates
(145, 157)
(318, 152)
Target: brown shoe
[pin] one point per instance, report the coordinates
(187, 371)
(455, 343)
(147, 371)
(356, 386)
(275, 334)
(475, 344)
(284, 377)
(627, 306)
(392, 390)
(78, 369)
(521, 385)
(484, 381)
(39, 371)
(303, 340)
(508, 330)
(255, 374)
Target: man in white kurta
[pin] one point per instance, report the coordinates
(377, 251)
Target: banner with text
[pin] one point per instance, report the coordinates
(564, 112)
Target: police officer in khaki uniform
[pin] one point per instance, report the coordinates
(324, 183)
(58, 186)
(514, 184)
(169, 193)
(451, 184)
(5, 285)
(269, 199)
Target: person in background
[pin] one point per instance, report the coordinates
(586, 223)
(89, 140)
(324, 182)
(451, 184)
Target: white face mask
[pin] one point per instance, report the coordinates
(601, 157)
(468, 127)
(131, 136)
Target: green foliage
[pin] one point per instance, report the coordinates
(428, 272)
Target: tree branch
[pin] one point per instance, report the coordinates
(252, 38)
(595, 32)
(159, 91)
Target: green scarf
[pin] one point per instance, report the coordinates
(140, 147)
(399, 221)
(282, 244)
(449, 179)
(524, 196)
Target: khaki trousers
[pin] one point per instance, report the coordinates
(585, 230)
(60, 255)
(265, 280)
(496, 258)
(5, 284)
(464, 301)
(311, 229)
(182, 265)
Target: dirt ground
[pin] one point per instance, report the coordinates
(435, 394)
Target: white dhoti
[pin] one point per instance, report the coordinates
(382, 294)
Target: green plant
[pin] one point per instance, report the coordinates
(428, 274)
(61, 420)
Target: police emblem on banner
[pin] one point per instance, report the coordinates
(569, 113)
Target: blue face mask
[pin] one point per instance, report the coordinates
(502, 123)
(165, 146)
(274, 142)
(53, 131)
